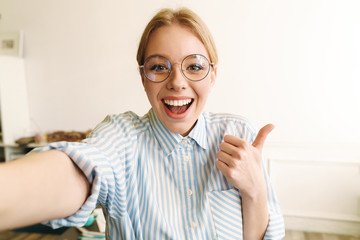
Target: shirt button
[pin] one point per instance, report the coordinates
(189, 192)
(186, 158)
(193, 224)
(184, 141)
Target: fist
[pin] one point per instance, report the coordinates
(240, 162)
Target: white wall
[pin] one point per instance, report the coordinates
(293, 63)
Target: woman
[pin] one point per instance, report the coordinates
(175, 173)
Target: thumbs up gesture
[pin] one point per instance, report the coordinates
(240, 162)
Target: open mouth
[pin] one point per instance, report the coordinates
(178, 106)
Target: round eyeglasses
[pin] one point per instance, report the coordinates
(194, 67)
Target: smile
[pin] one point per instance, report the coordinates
(177, 107)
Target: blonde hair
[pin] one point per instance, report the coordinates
(184, 17)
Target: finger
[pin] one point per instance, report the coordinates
(262, 135)
(235, 141)
(229, 148)
(225, 158)
(222, 167)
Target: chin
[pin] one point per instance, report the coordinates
(182, 130)
(180, 126)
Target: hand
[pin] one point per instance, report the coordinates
(240, 162)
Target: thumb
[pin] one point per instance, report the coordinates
(261, 137)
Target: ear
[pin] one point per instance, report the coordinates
(213, 75)
(142, 78)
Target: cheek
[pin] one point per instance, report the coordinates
(151, 91)
(147, 87)
(203, 90)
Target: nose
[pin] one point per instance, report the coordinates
(176, 80)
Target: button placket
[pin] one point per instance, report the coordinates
(185, 142)
(189, 191)
(186, 158)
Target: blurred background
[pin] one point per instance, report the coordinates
(293, 63)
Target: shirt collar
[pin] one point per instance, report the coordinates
(169, 140)
(199, 133)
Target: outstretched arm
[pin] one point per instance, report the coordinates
(240, 162)
(40, 187)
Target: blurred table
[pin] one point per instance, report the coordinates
(42, 232)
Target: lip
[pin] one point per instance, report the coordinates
(175, 115)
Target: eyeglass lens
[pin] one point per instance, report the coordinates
(194, 67)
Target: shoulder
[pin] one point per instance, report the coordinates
(127, 122)
(226, 118)
(233, 124)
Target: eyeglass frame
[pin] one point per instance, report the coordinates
(211, 64)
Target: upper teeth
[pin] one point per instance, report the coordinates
(177, 102)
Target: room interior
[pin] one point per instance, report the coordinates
(292, 63)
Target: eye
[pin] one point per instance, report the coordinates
(158, 68)
(195, 67)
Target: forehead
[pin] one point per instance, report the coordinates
(174, 42)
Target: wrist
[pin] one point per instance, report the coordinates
(256, 194)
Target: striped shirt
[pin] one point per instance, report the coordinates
(154, 184)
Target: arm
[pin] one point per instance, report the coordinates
(40, 187)
(240, 162)
(255, 215)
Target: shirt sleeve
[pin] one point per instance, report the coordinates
(102, 160)
(95, 165)
(276, 227)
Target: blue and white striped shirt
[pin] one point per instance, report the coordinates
(154, 184)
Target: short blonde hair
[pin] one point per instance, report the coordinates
(184, 17)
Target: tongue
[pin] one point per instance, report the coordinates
(178, 109)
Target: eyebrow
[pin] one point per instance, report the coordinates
(159, 55)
